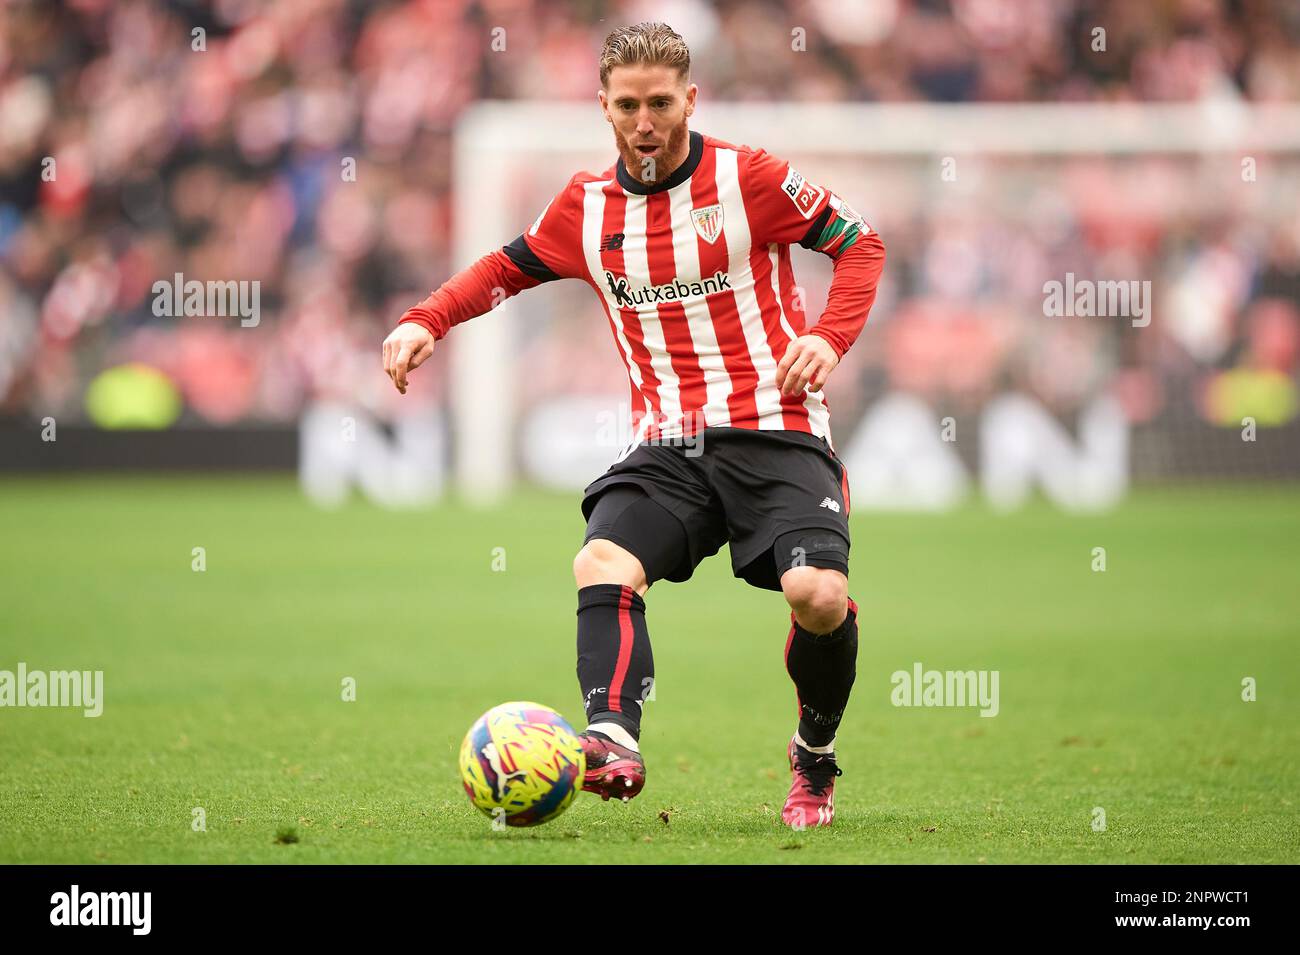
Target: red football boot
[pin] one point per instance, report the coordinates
(812, 792)
(612, 770)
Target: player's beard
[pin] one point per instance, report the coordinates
(633, 160)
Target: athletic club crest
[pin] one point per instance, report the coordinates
(708, 222)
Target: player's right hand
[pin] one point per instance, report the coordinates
(406, 349)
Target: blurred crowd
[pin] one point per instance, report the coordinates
(139, 140)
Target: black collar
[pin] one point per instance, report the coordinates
(679, 175)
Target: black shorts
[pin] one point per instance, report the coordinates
(778, 498)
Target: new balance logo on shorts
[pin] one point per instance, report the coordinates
(833, 505)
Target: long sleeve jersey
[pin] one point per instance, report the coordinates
(694, 276)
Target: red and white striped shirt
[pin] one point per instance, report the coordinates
(695, 279)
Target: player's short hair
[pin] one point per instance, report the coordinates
(650, 43)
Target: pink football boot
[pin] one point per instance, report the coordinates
(612, 770)
(811, 801)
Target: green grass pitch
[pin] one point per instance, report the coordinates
(1118, 689)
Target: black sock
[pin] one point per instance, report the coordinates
(822, 667)
(615, 666)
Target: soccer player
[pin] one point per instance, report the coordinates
(686, 242)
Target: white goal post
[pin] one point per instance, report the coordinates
(494, 141)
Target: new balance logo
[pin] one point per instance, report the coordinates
(833, 505)
(612, 242)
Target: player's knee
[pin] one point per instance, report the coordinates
(604, 562)
(819, 597)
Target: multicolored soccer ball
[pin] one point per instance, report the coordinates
(522, 763)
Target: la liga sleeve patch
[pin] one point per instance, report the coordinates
(805, 196)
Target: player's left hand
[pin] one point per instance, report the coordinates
(808, 362)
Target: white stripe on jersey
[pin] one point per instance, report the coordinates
(636, 266)
(819, 419)
(537, 223)
(699, 320)
(776, 291)
(767, 396)
(593, 217)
